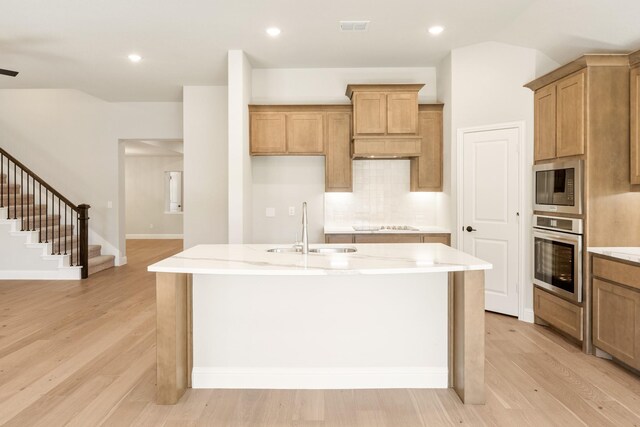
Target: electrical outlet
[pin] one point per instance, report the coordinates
(292, 210)
(270, 212)
(150, 225)
(109, 204)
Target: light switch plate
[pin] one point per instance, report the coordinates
(270, 212)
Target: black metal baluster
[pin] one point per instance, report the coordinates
(15, 192)
(28, 219)
(65, 228)
(39, 212)
(21, 199)
(33, 203)
(46, 216)
(72, 212)
(59, 218)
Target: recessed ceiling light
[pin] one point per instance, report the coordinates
(436, 30)
(273, 31)
(134, 57)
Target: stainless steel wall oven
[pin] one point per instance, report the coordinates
(557, 255)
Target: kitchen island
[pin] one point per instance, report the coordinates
(384, 316)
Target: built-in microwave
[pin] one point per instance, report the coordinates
(558, 187)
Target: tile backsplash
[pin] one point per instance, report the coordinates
(381, 196)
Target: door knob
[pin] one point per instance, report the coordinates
(470, 229)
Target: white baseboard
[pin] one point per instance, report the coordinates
(65, 273)
(120, 261)
(319, 378)
(527, 316)
(155, 236)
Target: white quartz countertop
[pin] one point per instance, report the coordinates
(627, 254)
(398, 258)
(420, 230)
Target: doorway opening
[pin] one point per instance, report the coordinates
(153, 183)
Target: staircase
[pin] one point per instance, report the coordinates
(42, 234)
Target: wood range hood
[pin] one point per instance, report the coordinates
(385, 121)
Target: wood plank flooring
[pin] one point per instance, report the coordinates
(82, 353)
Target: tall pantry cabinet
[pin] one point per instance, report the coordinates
(581, 111)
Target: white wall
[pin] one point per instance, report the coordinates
(205, 164)
(145, 196)
(313, 86)
(283, 182)
(486, 87)
(328, 85)
(70, 139)
(240, 182)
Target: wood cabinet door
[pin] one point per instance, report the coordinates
(402, 113)
(268, 135)
(370, 113)
(338, 172)
(570, 115)
(338, 238)
(616, 321)
(635, 125)
(305, 133)
(388, 238)
(445, 239)
(544, 138)
(562, 314)
(426, 169)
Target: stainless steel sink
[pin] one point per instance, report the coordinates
(330, 250)
(285, 250)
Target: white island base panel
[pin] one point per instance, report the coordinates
(320, 332)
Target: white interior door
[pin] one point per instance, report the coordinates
(490, 211)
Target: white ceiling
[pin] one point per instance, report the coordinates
(155, 147)
(84, 44)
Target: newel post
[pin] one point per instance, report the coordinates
(83, 224)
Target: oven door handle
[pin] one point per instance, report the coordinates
(576, 240)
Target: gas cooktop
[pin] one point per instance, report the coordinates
(384, 227)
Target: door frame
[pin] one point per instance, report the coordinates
(522, 222)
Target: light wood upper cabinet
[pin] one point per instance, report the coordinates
(402, 113)
(559, 115)
(370, 113)
(305, 133)
(635, 124)
(426, 169)
(545, 123)
(338, 172)
(268, 134)
(570, 115)
(384, 109)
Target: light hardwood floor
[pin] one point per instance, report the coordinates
(83, 354)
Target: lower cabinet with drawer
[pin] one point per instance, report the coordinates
(615, 288)
(559, 313)
(444, 238)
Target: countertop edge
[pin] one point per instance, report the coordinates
(631, 254)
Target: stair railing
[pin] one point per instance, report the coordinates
(41, 197)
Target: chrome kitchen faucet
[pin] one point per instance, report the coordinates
(305, 232)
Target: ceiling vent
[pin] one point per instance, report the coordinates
(353, 26)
